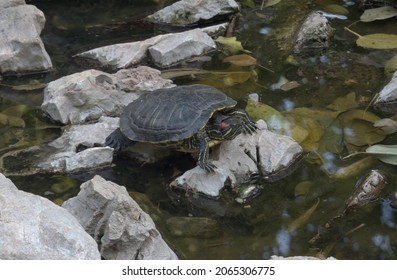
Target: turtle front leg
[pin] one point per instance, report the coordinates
(203, 152)
(248, 125)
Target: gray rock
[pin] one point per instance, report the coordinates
(21, 48)
(116, 221)
(180, 47)
(386, 102)
(278, 155)
(119, 56)
(88, 95)
(188, 12)
(66, 153)
(11, 3)
(32, 227)
(314, 33)
(177, 47)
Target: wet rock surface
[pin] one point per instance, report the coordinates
(32, 227)
(188, 12)
(21, 48)
(80, 147)
(117, 223)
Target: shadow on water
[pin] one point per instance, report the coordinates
(262, 227)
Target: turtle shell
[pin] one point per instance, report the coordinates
(172, 114)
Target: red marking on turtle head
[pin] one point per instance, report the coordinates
(224, 125)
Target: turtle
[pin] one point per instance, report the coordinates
(185, 118)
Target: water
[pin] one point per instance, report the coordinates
(260, 228)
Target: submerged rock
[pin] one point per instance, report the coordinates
(187, 12)
(88, 95)
(386, 102)
(117, 223)
(314, 33)
(236, 162)
(21, 49)
(200, 227)
(32, 227)
(164, 50)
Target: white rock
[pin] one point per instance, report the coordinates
(122, 55)
(188, 12)
(88, 95)
(21, 49)
(116, 221)
(11, 3)
(32, 227)
(164, 49)
(180, 47)
(277, 155)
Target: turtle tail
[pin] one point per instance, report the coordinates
(117, 140)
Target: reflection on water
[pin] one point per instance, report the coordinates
(283, 239)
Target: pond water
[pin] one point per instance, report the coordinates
(262, 227)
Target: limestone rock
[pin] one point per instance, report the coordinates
(278, 156)
(180, 47)
(32, 227)
(116, 221)
(164, 50)
(88, 95)
(187, 12)
(21, 49)
(11, 3)
(119, 56)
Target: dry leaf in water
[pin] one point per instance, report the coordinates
(241, 60)
(344, 103)
(301, 220)
(375, 41)
(378, 41)
(270, 3)
(231, 44)
(359, 129)
(378, 14)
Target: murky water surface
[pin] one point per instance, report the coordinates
(262, 227)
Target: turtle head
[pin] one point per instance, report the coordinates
(225, 127)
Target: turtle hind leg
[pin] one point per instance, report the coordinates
(117, 140)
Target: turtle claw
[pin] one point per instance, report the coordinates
(249, 127)
(208, 167)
